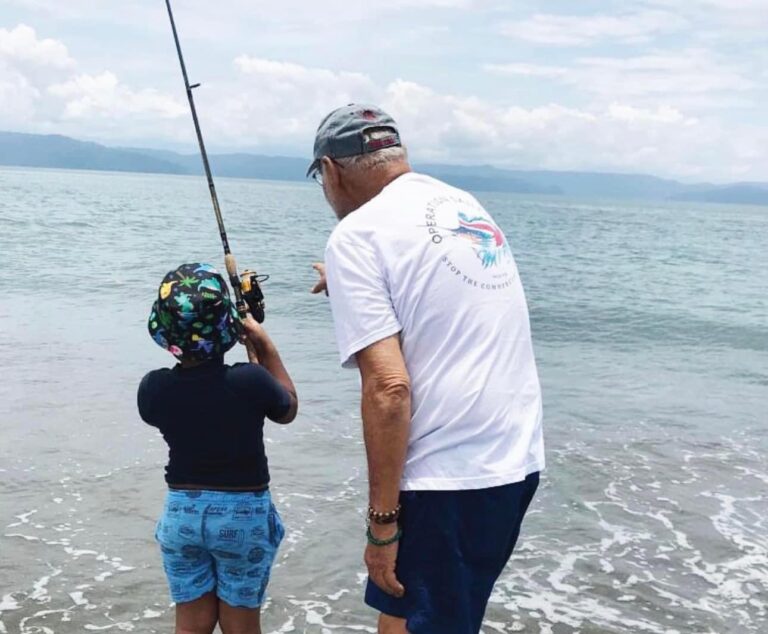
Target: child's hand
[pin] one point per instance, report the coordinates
(254, 331)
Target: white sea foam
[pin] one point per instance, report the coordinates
(286, 627)
(337, 595)
(123, 627)
(29, 538)
(493, 625)
(39, 629)
(75, 553)
(23, 518)
(316, 612)
(39, 588)
(8, 603)
(733, 585)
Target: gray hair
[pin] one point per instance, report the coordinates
(372, 160)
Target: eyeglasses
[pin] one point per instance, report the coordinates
(317, 175)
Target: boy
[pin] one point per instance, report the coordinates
(219, 531)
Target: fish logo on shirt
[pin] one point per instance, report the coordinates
(487, 239)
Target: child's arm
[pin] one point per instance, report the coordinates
(262, 350)
(253, 356)
(145, 399)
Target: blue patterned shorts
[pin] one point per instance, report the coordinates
(219, 540)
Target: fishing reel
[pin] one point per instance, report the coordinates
(250, 286)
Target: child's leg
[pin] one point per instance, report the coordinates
(198, 616)
(239, 620)
(243, 533)
(190, 569)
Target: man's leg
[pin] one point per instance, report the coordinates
(391, 625)
(239, 620)
(198, 616)
(454, 545)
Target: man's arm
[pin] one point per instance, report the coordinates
(386, 411)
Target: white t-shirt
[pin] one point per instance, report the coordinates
(426, 260)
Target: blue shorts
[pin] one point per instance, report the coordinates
(454, 546)
(219, 540)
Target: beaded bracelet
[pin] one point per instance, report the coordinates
(383, 542)
(383, 517)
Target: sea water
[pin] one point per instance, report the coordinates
(650, 325)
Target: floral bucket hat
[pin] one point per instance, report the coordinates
(193, 316)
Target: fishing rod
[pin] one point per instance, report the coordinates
(247, 288)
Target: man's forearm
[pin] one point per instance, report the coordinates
(386, 411)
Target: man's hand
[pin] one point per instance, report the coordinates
(321, 285)
(381, 561)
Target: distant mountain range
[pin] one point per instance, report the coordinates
(34, 150)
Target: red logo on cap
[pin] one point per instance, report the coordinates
(369, 115)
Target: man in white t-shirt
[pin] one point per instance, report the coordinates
(427, 303)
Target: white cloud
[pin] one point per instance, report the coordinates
(687, 78)
(686, 71)
(41, 88)
(285, 101)
(289, 76)
(528, 70)
(22, 45)
(443, 127)
(17, 97)
(439, 4)
(277, 102)
(577, 30)
(26, 63)
(618, 137)
(88, 96)
(662, 114)
(749, 17)
(334, 22)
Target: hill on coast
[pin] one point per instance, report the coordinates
(56, 151)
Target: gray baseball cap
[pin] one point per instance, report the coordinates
(347, 132)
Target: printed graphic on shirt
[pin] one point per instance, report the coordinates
(487, 239)
(454, 218)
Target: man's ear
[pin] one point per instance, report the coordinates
(330, 172)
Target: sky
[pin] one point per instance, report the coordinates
(675, 88)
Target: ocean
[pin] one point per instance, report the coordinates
(650, 325)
